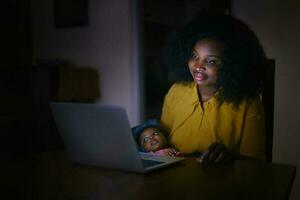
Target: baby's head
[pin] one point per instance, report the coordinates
(149, 136)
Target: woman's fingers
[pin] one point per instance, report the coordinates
(220, 158)
(204, 157)
(216, 153)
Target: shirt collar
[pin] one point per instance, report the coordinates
(194, 99)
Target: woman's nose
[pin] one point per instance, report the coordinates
(199, 65)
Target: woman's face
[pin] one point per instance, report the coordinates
(152, 139)
(204, 61)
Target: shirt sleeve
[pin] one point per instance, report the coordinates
(166, 120)
(253, 137)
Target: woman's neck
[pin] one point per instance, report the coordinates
(205, 93)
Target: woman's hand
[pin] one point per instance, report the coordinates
(217, 153)
(167, 152)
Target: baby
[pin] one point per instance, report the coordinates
(150, 139)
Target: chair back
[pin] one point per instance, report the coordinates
(268, 102)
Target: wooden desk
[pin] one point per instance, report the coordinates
(53, 176)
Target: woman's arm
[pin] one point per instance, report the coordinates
(252, 143)
(166, 119)
(254, 133)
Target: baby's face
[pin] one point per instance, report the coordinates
(152, 139)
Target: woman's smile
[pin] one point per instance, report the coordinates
(199, 75)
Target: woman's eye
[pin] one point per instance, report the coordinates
(193, 56)
(211, 61)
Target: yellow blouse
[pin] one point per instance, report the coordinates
(193, 128)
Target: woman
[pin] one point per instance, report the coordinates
(219, 113)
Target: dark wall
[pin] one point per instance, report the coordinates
(16, 45)
(25, 123)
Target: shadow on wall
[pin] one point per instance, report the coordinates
(77, 84)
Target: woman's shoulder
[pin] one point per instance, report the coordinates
(178, 91)
(254, 101)
(253, 105)
(244, 104)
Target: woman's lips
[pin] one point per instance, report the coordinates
(200, 76)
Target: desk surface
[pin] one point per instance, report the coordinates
(53, 176)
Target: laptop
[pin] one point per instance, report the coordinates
(100, 135)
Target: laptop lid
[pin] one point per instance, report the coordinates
(100, 135)
(97, 135)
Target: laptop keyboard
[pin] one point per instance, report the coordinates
(150, 163)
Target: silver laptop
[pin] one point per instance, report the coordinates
(100, 135)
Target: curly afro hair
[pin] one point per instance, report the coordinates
(241, 74)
